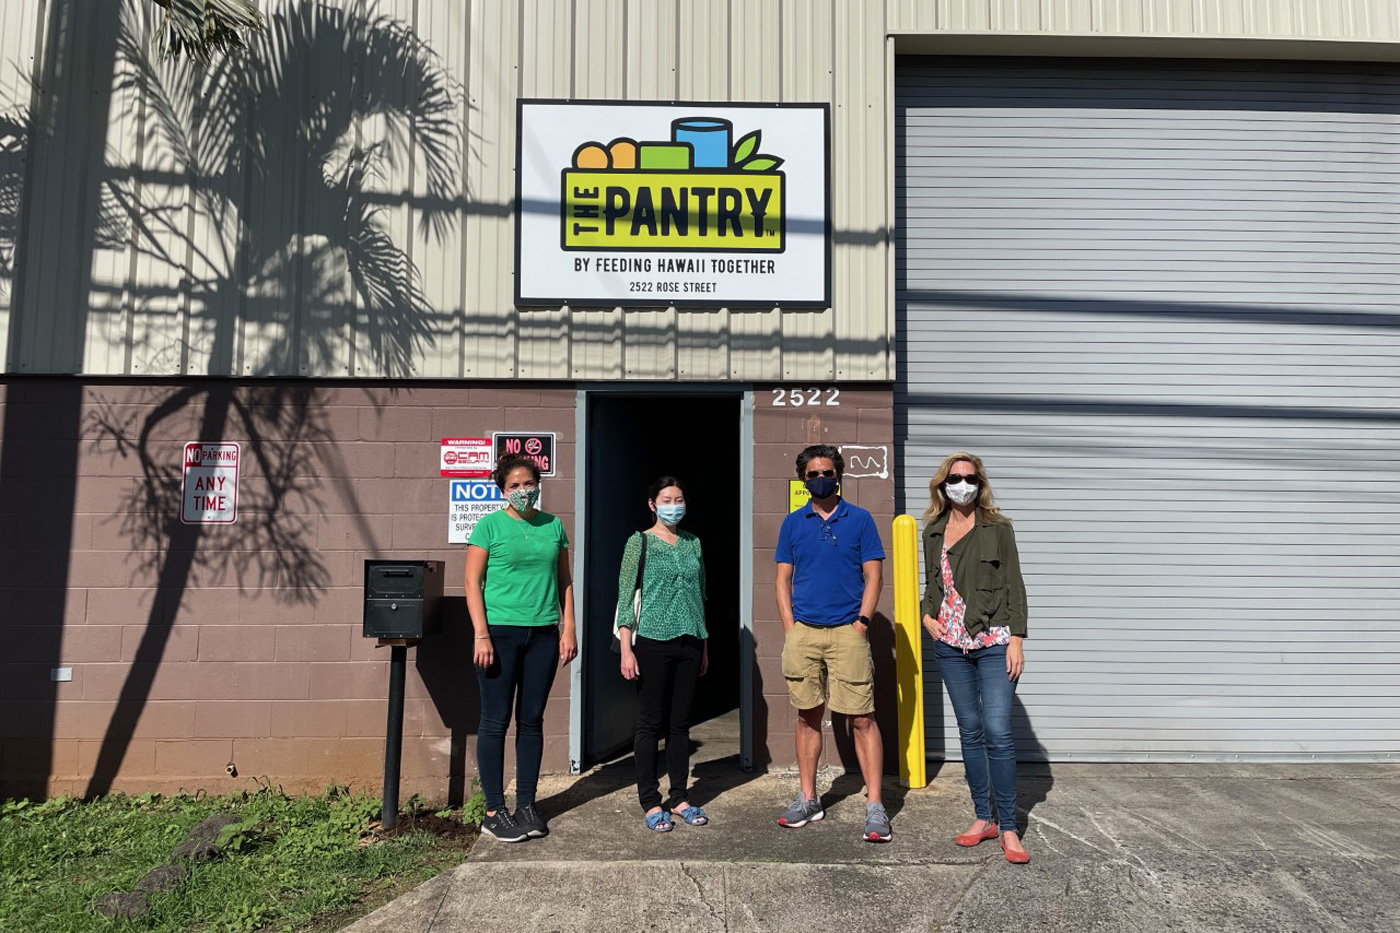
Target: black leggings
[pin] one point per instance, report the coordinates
(526, 658)
(665, 691)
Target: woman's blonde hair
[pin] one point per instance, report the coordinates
(986, 502)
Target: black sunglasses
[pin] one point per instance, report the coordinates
(954, 479)
(813, 474)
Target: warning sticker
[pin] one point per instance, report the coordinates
(466, 456)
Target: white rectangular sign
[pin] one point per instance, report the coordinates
(469, 500)
(465, 456)
(210, 492)
(659, 204)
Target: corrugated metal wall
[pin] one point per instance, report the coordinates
(1161, 302)
(19, 40)
(160, 244)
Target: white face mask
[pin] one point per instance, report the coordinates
(961, 493)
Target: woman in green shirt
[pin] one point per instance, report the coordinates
(663, 647)
(518, 590)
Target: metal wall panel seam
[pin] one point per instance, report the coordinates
(602, 70)
(465, 212)
(555, 73)
(37, 287)
(25, 29)
(755, 53)
(888, 241)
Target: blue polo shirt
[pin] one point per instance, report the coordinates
(827, 582)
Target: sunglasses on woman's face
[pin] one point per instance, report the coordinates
(955, 479)
(813, 474)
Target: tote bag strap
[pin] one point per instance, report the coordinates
(636, 604)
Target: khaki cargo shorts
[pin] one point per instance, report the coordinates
(837, 657)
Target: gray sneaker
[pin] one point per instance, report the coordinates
(801, 812)
(877, 824)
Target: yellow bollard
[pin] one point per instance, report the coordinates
(908, 653)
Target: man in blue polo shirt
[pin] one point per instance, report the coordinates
(828, 583)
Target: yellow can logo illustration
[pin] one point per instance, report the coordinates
(698, 191)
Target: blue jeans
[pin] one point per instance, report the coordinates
(981, 694)
(520, 677)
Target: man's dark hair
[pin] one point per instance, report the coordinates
(509, 462)
(660, 483)
(820, 450)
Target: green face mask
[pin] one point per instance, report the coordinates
(523, 500)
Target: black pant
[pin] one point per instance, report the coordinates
(526, 658)
(665, 691)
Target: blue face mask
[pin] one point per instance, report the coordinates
(671, 514)
(822, 487)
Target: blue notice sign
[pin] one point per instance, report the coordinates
(468, 500)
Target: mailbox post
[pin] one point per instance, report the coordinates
(403, 603)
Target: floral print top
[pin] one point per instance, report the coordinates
(951, 612)
(672, 584)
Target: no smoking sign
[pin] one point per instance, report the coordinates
(537, 445)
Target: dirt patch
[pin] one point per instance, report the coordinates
(196, 850)
(209, 830)
(164, 878)
(127, 906)
(444, 827)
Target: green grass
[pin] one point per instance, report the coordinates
(293, 863)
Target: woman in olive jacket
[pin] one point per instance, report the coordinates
(975, 609)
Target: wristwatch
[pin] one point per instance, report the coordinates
(863, 620)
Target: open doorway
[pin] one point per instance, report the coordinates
(631, 440)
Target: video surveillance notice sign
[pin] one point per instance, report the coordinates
(716, 205)
(465, 456)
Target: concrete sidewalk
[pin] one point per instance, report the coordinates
(1114, 847)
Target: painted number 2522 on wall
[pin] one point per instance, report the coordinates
(799, 398)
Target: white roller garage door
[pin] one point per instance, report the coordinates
(1161, 300)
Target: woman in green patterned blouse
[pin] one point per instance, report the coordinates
(663, 647)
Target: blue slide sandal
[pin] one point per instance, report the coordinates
(694, 816)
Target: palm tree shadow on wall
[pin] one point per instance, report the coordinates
(14, 141)
(283, 152)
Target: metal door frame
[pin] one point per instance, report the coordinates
(744, 393)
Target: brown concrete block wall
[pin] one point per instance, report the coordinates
(865, 417)
(194, 647)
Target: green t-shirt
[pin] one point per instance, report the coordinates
(521, 583)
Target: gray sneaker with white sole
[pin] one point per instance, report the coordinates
(877, 823)
(801, 812)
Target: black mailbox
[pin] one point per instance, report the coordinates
(403, 598)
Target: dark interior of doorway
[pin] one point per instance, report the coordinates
(632, 440)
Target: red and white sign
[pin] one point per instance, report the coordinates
(210, 495)
(466, 456)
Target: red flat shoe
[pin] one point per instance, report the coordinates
(968, 840)
(1015, 858)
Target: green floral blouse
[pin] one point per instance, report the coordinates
(673, 587)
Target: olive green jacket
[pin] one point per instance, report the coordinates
(986, 574)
